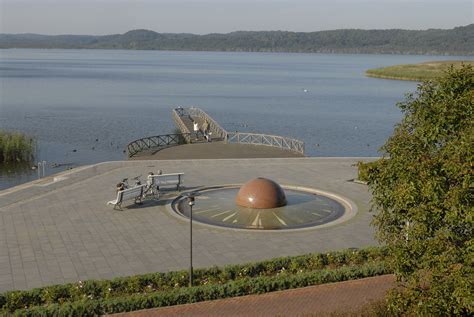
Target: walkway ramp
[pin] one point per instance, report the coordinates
(224, 144)
(188, 121)
(184, 117)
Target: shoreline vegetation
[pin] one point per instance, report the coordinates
(456, 41)
(15, 147)
(416, 72)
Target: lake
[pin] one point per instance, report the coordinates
(85, 106)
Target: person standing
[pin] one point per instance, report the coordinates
(195, 129)
(205, 130)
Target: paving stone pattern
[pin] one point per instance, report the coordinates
(57, 232)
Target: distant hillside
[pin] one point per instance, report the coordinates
(457, 41)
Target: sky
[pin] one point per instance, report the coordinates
(99, 17)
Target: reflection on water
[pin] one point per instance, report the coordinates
(14, 169)
(16, 173)
(217, 207)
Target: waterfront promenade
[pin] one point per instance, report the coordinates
(59, 229)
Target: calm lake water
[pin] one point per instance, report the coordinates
(68, 99)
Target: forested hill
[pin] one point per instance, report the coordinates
(457, 41)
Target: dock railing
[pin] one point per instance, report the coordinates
(266, 139)
(157, 142)
(177, 114)
(217, 132)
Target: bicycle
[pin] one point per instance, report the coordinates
(126, 185)
(149, 186)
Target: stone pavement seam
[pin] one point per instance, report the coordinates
(72, 228)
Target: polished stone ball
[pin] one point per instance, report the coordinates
(261, 193)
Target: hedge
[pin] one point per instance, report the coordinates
(363, 169)
(244, 286)
(156, 282)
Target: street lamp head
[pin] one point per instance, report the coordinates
(191, 197)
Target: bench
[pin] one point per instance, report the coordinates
(135, 193)
(150, 187)
(167, 179)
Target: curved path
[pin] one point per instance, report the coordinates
(60, 230)
(341, 297)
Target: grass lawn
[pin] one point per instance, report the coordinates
(417, 72)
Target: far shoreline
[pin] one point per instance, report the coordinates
(416, 72)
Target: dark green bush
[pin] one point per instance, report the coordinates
(364, 169)
(159, 282)
(423, 194)
(22, 299)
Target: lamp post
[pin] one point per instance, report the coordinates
(191, 197)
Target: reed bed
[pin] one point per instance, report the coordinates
(15, 147)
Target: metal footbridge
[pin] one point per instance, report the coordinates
(184, 118)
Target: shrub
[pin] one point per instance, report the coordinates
(423, 189)
(364, 169)
(245, 286)
(165, 282)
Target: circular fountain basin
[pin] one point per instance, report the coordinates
(304, 208)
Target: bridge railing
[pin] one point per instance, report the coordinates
(217, 131)
(177, 114)
(156, 143)
(162, 141)
(266, 139)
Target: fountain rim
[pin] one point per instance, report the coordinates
(350, 209)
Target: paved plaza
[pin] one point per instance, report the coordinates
(59, 229)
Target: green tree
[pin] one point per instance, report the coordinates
(423, 192)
